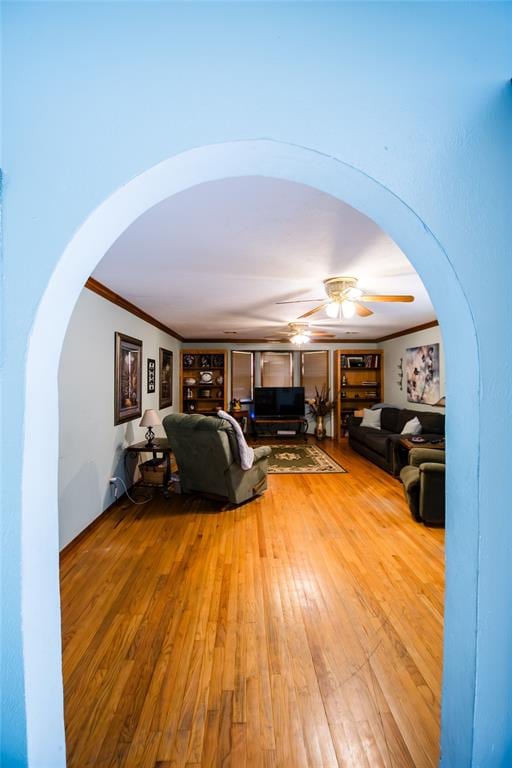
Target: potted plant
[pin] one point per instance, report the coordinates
(321, 407)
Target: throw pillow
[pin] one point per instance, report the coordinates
(413, 427)
(371, 418)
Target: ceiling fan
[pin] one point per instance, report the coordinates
(346, 299)
(300, 333)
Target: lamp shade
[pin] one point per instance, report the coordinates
(150, 419)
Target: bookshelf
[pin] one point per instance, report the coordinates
(202, 380)
(359, 382)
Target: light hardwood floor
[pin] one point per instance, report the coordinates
(301, 629)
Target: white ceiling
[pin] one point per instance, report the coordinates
(219, 256)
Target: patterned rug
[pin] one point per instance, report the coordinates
(301, 459)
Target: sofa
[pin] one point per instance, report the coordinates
(206, 452)
(423, 481)
(382, 445)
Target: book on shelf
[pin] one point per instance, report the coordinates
(372, 361)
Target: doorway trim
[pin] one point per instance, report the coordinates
(39, 526)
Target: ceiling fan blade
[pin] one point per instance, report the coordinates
(362, 311)
(368, 297)
(316, 309)
(297, 301)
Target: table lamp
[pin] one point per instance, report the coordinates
(150, 419)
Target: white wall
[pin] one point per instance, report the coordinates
(394, 350)
(91, 448)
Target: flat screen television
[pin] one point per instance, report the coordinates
(279, 402)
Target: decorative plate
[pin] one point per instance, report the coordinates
(205, 377)
(188, 361)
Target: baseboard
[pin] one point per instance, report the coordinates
(65, 551)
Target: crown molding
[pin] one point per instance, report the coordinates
(407, 331)
(106, 293)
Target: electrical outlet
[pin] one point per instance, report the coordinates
(113, 481)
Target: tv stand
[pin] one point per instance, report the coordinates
(270, 427)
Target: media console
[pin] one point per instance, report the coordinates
(279, 412)
(266, 426)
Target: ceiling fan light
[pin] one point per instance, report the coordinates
(354, 293)
(332, 309)
(299, 338)
(348, 310)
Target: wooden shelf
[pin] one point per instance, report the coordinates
(204, 368)
(373, 385)
(217, 367)
(352, 376)
(203, 386)
(202, 399)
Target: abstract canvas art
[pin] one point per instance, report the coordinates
(422, 372)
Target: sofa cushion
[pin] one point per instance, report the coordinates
(374, 439)
(431, 422)
(389, 419)
(371, 418)
(413, 427)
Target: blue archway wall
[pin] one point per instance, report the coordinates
(416, 96)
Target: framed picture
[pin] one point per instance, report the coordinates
(355, 361)
(151, 385)
(127, 378)
(422, 373)
(165, 379)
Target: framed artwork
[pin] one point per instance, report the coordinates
(422, 373)
(165, 379)
(127, 378)
(151, 379)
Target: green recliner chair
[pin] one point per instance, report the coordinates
(423, 481)
(208, 459)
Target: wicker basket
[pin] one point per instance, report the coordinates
(153, 471)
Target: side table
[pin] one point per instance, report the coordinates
(161, 446)
(242, 416)
(405, 444)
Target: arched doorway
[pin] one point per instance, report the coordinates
(40, 601)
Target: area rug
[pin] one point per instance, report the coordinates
(301, 459)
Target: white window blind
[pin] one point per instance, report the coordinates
(315, 371)
(276, 369)
(242, 375)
